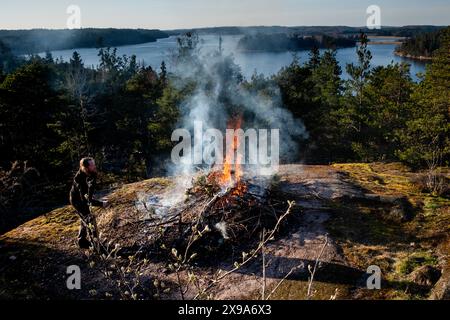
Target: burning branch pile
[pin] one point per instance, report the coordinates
(236, 211)
(234, 205)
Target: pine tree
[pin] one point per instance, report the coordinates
(326, 95)
(163, 74)
(358, 79)
(388, 106)
(314, 57)
(425, 138)
(353, 113)
(28, 105)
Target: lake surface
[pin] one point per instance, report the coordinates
(267, 63)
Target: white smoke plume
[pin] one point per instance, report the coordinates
(218, 90)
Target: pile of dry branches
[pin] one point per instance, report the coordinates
(238, 211)
(233, 215)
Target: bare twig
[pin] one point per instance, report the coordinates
(263, 294)
(282, 280)
(313, 271)
(247, 257)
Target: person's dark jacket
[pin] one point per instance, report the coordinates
(82, 192)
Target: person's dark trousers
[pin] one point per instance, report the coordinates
(86, 218)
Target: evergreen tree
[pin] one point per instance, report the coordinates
(388, 106)
(296, 87)
(72, 123)
(357, 82)
(425, 138)
(325, 132)
(28, 104)
(314, 57)
(163, 73)
(353, 112)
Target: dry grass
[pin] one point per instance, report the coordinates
(397, 249)
(387, 179)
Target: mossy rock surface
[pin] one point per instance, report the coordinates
(345, 202)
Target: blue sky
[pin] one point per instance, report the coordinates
(171, 14)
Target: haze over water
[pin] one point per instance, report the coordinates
(267, 63)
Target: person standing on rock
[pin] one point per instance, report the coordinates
(81, 198)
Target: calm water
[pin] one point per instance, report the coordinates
(267, 63)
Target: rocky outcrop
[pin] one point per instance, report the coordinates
(346, 224)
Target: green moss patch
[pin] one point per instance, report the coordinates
(415, 260)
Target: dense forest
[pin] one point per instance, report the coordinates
(41, 40)
(284, 42)
(421, 45)
(52, 113)
(405, 31)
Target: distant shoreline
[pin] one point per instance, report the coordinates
(378, 40)
(408, 56)
(385, 42)
(386, 37)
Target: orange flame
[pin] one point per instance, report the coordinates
(227, 173)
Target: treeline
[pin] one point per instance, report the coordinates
(421, 45)
(41, 40)
(285, 42)
(405, 31)
(8, 61)
(52, 114)
(123, 114)
(378, 114)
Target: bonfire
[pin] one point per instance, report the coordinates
(226, 210)
(233, 204)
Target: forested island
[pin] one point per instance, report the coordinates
(284, 42)
(421, 46)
